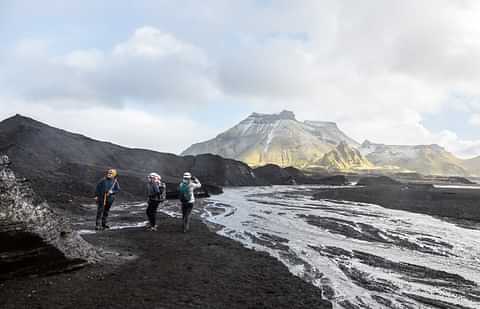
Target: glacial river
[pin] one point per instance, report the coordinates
(361, 255)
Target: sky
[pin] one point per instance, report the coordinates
(165, 74)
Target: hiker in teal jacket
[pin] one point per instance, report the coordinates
(187, 197)
(104, 195)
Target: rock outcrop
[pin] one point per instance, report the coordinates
(344, 158)
(35, 240)
(276, 175)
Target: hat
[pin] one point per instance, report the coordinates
(187, 175)
(154, 175)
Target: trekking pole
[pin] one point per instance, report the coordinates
(104, 200)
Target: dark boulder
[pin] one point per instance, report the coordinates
(274, 174)
(295, 172)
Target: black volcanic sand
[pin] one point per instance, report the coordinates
(463, 204)
(167, 269)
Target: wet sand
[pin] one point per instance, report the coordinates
(167, 269)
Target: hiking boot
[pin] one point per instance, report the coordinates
(153, 228)
(98, 228)
(105, 227)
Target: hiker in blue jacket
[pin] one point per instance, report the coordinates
(104, 195)
(156, 192)
(187, 197)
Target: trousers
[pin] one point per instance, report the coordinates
(186, 212)
(102, 211)
(152, 212)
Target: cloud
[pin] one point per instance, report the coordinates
(375, 67)
(129, 127)
(474, 120)
(151, 67)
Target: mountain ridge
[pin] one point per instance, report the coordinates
(430, 159)
(281, 139)
(63, 166)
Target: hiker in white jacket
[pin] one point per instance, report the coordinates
(187, 197)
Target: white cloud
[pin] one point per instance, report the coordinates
(83, 60)
(376, 67)
(150, 67)
(474, 120)
(128, 127)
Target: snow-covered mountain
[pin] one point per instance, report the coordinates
(344, 157)
(281, 139)
(425, 159)
(275, 138)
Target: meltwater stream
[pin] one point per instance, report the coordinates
(361, 255)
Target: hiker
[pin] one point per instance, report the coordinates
(156, 191)
(187, 198)
(104, 195)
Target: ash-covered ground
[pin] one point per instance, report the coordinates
(163, 269)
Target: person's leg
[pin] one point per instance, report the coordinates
(154, 213)
(184, 215)
(149, 213)
(186, 218)
(99, 214)
(106, 209)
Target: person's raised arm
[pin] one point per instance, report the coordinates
(196, 183)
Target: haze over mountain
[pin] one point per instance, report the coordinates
(281, 139)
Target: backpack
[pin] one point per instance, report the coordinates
(162, 191)
(184, 193)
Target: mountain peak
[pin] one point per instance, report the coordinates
(366, 143)
(17, 117)
(287, 115)
(18, 120)
(321, 124)
(274, 138)
(283, 115)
